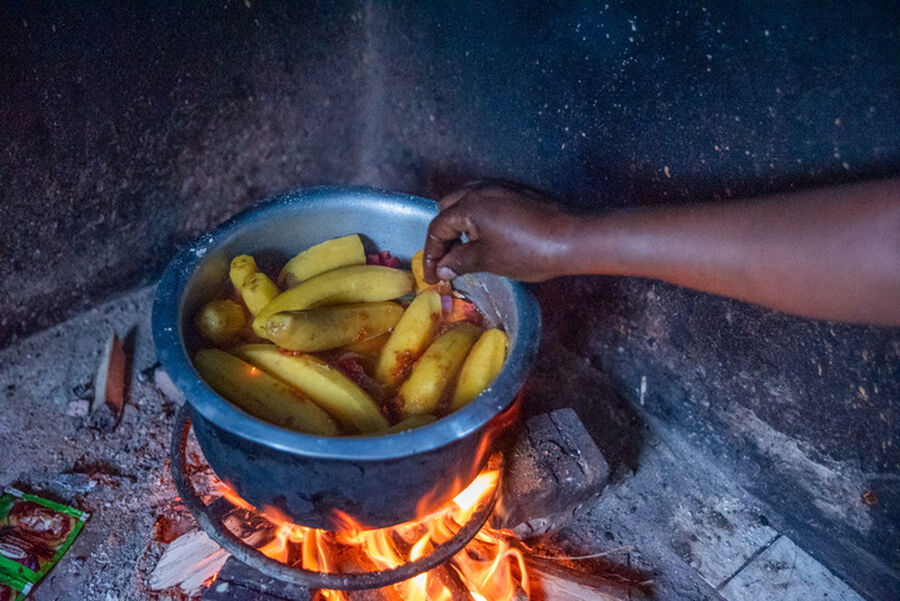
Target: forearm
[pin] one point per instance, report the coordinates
(830, 254)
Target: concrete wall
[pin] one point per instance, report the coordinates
(125, 131)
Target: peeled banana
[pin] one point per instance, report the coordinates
(325, 385)
(331, 327)
(355, 284)
(241, 267)
(260, 394)
(410, 337)
(435, 369)
(219, 320)
(481, 366)
(331, 254)
(258, 291)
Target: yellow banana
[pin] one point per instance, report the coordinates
(481, 366)
(410, 337)
(370, 347)
(219, 320)
(241, 267)
(418, 270)
(258, 291)
(260, 394)
(410, 423)
(331, 254)
(435, 369)
(331, 327)
(355, 284)
(325, 385)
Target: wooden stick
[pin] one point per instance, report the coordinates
(552, 581)
(189, 561)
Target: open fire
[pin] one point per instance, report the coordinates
(443, 555)
(490, 568)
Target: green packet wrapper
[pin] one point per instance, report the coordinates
(34, 535)
(12, 588)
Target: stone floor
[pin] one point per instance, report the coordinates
(678, 517)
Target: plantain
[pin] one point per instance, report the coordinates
(418, 270)
(331, 254)
(260, 394)
(436, 369)
(331, 327)
(220, 320)
(258, 291)
(241, 267)
(325, 385)
(410, 337)
(410, 423)
(480, 368)
(355, 284)
(370, 347)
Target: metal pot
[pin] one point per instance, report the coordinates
(379, 480)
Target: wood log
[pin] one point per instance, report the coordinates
(550, 580)
(188, 562)
(241, 578)
(109, 386)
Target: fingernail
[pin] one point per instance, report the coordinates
(445, 273)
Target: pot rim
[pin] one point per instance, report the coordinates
(172, 352)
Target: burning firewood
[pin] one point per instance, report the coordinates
(492, 566)
(193, 559)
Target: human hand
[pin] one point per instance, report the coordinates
(511, 231)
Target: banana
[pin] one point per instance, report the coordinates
(410, 337)
(410, 423)
(481, 366)
(331, 327)
(219, 320)
(355, 284)
(331, 254)
(241, 267)
(260, 394)
(370, 347)
(325, 385)
(435, 369)
(258, 291)
(418, 270)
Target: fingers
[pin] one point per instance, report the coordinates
(451, 199)
(460, 259)
(454, 197)
(443, 231)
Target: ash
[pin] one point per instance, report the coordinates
(672, 513)
(121, 477)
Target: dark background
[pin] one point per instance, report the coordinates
(127, 130)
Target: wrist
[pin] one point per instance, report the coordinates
(591, 244)
(561, 246)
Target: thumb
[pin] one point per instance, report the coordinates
(461, 258)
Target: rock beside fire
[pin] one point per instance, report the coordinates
(553, 469)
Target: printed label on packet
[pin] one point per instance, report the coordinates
(34, 535)
(12, 588)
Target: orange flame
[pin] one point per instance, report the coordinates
(489, 568)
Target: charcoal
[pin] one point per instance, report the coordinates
(239, 577)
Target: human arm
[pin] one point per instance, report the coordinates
(831, 253)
